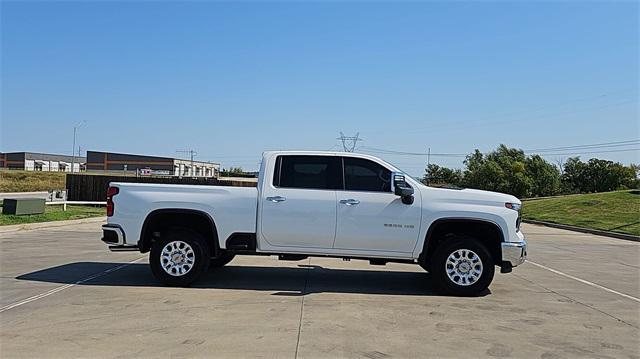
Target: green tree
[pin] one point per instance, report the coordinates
(597, 175)
(509, 170)
(232, 171)
(545, 176)
(483, 174)
(503, 170)
(436, 175)
(574, 175)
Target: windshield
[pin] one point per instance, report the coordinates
(394, 168)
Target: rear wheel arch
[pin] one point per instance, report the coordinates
(163, 220)
(485, 231)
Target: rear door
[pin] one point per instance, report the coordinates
(371, 217)
(299, 204)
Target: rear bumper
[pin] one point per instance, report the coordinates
(112, 235)
(514, 253)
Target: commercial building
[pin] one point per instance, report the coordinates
(31, 161)
(122, 163)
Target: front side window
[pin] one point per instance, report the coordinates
(310, 172)
(365, 175)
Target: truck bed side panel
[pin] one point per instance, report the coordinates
(233, 209)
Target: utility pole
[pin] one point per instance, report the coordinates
(191, 153)
(428, 163)
(79, 157)
(349, 142)
(73, 150)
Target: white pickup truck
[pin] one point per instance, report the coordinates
(328, 204)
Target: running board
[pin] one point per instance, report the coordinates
(124, 248)
(292, 257)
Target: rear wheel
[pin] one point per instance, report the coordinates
(221, 260)
(462, 266)
(179, 257)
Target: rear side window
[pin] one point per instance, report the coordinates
(364, 175)
(310, 172)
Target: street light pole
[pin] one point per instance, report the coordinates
(73, 150)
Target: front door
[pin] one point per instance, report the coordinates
(299, 205)
(370, 217)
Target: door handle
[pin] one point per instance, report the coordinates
(350, 201)
(276, 199)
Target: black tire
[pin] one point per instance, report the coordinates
(200, 257)
(439, 267)
(221, 260)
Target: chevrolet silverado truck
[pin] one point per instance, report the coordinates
(328, 204)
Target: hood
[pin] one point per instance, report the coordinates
(468, 195)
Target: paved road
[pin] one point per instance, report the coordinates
(578, 297)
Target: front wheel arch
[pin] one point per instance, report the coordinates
(442, 230)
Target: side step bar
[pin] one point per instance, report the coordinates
(124, 248)
(292, 257)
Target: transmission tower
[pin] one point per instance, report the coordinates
(349, 142)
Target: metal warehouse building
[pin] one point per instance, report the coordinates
(31, 161)
(122, 163)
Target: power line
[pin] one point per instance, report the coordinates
(594, 146)
(592, 152)
(392, 152)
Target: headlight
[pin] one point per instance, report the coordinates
(515, 207)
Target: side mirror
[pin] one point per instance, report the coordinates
(402, 189)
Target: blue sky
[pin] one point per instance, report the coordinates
(231, 80)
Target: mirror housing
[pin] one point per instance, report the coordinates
(401, 188)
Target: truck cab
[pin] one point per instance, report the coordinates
(316, 203)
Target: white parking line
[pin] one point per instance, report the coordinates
(66, 286)
(584, 281)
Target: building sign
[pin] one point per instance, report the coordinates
(150, 172)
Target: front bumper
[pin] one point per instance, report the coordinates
(514, 253)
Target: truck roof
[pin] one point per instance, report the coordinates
(319, 153)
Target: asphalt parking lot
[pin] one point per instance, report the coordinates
(63, 294)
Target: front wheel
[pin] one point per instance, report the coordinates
(462, 266)
(179, 257)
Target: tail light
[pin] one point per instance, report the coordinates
(112, 191)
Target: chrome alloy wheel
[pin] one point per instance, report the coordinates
(464, 267)
(177, 258)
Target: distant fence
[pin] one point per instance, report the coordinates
(81, 187)
(242, 175)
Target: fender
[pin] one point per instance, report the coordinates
(447, 220)
(144, 245)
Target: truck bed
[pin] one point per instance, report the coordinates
(234, 208)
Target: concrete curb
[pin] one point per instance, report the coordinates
(628, 237)
(44, 225)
